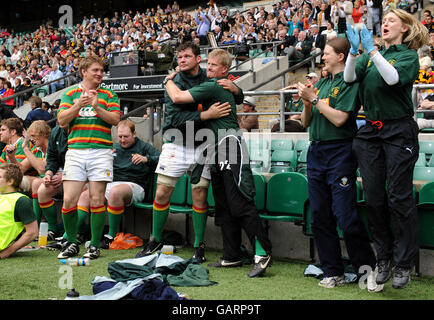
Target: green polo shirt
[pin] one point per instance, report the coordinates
(210, 92)
(340, 96)
(381, 101)
(294, 106)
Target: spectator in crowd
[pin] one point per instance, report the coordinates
(318, 41)
(301, 49)
(87, 106)
(390, 137)
(248, 122)
(330, 33)
(17, 215)
(54, 75)
(37, 113)
(8, 103)
(133, 168)
(312, 78)
(292, 122)
(331, 169)
(428, 118)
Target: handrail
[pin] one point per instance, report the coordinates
(257, 54)
(291, 68)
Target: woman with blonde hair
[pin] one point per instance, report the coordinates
(387, 147)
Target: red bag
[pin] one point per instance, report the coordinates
(125, 241)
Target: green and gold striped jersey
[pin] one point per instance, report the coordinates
(88, 130)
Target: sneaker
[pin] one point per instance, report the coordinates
(152, 247)
(70, 250)
(332, 282)
(261, 263)
(401, 277)
(226, 264)
(57, 244)
(51, 236)
(92, 253)
(199, 253)
(106, 240)
(384, 271)
(81, 238)
(372, 284)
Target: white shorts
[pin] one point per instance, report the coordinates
(175, 160)
(138, 191)
(88, 165)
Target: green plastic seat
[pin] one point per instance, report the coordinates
(426, 147)
(425, 209)
(286, 197)
(260, 187)
(277, 169)
(423, 173)
(284, 158)
(281, 144)
(178, 199)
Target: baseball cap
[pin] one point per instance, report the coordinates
(250, 100)
(314, 26)
(312, 75)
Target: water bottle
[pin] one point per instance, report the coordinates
(168, 249)
(43, 233)
(125, 110)
(76, 261)
(72, 295)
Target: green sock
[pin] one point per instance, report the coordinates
(115, 218)
(199, 224)
(69, 217)
(159, 217)
(50, 212)
(97, 222)
(83, 213)
(36, 208)
(259, 251)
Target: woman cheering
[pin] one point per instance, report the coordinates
(387, 146)
(330, 111)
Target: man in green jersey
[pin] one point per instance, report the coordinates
(180, 150)
(16, 212)
(232, 178)
(89, 111)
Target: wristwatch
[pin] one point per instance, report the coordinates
(314, 101)
(165, 81)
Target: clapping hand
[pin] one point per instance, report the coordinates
(354, 39)
(367, 39)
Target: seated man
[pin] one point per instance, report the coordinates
(134, 163)
(248, 122)
(301, 48)
(16, 212)
(37, 113)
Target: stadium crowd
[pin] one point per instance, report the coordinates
(51, 53)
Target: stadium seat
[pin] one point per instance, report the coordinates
(423, 173)
(42, 91)
(286, 158)
(286, 197)
(178, 200)
(148, 202)
(425, 209)
(426, 147)
(254, 144)
(301, 144)
(260, 187)
(302, 162)
(281, 144)
(259, 159)
(421, 161)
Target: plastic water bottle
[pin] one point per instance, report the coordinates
(168, 249)
(76, 261)
(72, 295)
(43, 233)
